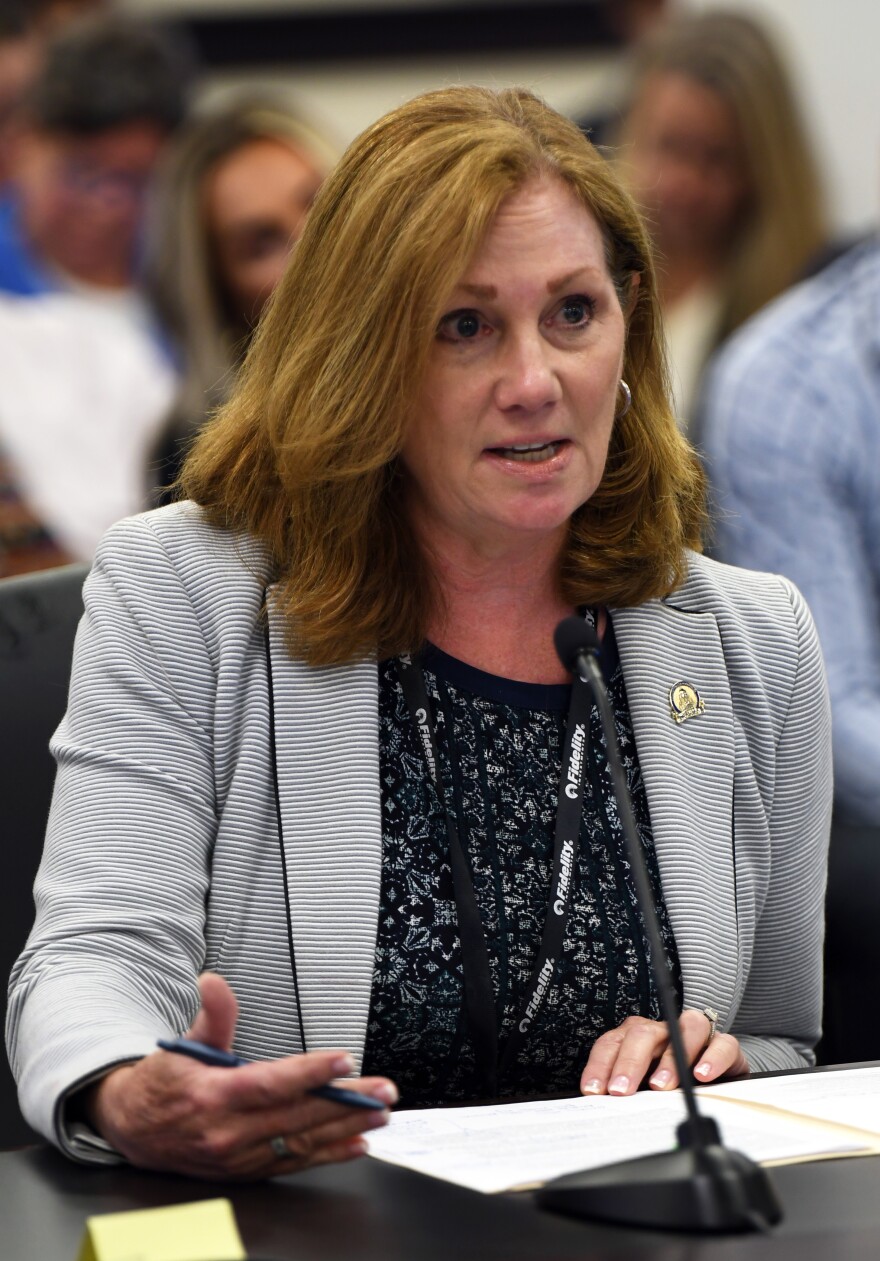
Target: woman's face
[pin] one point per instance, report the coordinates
(256, 199)
(687, 163)
(511, 430)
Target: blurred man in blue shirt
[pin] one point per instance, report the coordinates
(92, 128)
(792, 441)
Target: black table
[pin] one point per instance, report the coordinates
(368, 1211)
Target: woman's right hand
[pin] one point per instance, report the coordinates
(169, 1112)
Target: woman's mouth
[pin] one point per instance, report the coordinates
(529, 453)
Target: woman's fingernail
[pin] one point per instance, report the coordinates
(342, 1065)
(387, 1092)
(376, 1120)
(703, 1069)
(619, 1085)
(592, 1087)
(661, 1078)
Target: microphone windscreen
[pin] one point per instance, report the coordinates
(572, 637)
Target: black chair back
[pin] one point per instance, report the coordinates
(39, 614)
(852, 946)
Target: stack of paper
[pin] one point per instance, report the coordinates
(503, 1147)
(847, 1097)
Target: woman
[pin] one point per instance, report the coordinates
(232, 201)
(715, 153)
(432, 450)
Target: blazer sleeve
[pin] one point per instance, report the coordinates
(779, 1018)
(113, 958)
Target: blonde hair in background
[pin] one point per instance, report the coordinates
(785, 225)
(305, 455)
(182, 275)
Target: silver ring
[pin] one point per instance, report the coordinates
(712, 1016)
(279, 1147)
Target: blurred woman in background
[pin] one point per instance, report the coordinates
(717, 157)
(231, 203)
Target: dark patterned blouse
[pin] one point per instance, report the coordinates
(499, 749)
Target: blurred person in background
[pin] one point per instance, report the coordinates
(716, 155)
(25, 543)
(85, 378)
(83, 397)
(232, 200)
(792, 439)
(631, 21)
(19, 62)
(52, 14)
(108, 96)
(24, 26)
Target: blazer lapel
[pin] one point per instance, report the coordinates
(688, 772)
(327, 743)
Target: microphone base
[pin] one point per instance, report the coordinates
(710, 1190)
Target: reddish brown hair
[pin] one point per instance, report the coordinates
(305, 454)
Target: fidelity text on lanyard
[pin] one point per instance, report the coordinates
(478, 992)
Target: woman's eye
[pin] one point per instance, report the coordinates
(576, 311)
(460, 326)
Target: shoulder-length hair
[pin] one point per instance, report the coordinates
(783, 226)
(306, 455)
(182, 276)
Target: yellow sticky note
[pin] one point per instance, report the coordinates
(203, 1231)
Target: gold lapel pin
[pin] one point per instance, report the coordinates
(685, 702)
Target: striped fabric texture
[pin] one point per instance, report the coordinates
(792, 440)
(163, 856)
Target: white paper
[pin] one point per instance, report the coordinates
(848, 1096)
(502, 1146)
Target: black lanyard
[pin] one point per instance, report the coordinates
(478, 993)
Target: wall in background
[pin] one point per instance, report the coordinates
(346, 98)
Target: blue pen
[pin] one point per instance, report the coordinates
(216, 1058)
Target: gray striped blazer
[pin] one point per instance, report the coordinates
(163, 856)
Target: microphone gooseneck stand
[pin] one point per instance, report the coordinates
(701, 1185)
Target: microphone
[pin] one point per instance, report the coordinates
(576, 644)
(702, 1185)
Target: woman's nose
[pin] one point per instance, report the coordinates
(527, 378)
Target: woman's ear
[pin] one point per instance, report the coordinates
(635, 280)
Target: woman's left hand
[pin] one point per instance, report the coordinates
(639, 1049)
